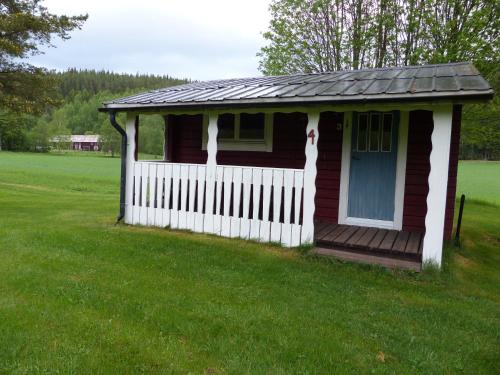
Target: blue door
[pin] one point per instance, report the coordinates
(372, 179)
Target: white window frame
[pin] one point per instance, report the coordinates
(265, 145)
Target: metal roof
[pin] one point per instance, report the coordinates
(440, 81)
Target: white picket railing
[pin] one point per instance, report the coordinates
(264, 204)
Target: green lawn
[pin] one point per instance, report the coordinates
(480, 180)
(81, 295)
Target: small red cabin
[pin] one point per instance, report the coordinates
(85, 143)
(357, 162)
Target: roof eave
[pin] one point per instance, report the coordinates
(458, 97)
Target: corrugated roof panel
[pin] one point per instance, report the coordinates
(316, 89)
(399, 85)
(472, 83)
(281, 80)
(378, 86)
(166, 96)
(358, 87)
(425, 84)
(408, 73)
(325, 77)
(338, 87)
(341, 76)
(372, 74)
(389, 73)
(189, 96)
(425, 72)
(270, 92)
(134, 97)
(257, 81)
(445, 71)
(307, 89)
(219, 94)
(445, 84)
(146, 98)
(250, 92)
(278, 91)
(466, 70)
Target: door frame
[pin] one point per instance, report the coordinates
(399, 192)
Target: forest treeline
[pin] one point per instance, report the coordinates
(73, 81)
(79, 94)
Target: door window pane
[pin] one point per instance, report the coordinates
(362, 132)
(226, 124)
(387, 133)
(252, 126)
(374, 131)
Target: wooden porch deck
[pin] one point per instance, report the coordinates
(390, 248)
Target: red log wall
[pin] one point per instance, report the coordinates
(418, 167)
(328, 165)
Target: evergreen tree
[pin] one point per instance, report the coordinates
(25, 25)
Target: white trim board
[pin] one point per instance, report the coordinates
(397, 224)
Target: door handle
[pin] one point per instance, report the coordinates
(355, 157)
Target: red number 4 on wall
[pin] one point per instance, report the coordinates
(311, 135)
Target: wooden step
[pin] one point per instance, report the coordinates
(378, 259)
(376, 251)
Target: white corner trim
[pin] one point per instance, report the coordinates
(310, 171)
(265, 145)
(399, 193)
(129, 187)
(345, 167)
(438, 186)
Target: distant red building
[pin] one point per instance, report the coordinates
(85, 142)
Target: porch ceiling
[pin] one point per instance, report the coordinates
(454, 81)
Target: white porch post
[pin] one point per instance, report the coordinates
(438, 186)
(211, 171)
(311, 151)
(130, 129)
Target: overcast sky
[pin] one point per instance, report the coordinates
(194, 39)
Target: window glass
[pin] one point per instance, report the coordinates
(387, 133)
(252, 126)
(374, 131)
(362, 131)
(226, 125)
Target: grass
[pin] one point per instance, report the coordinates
(81, 295)
(480, 180)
